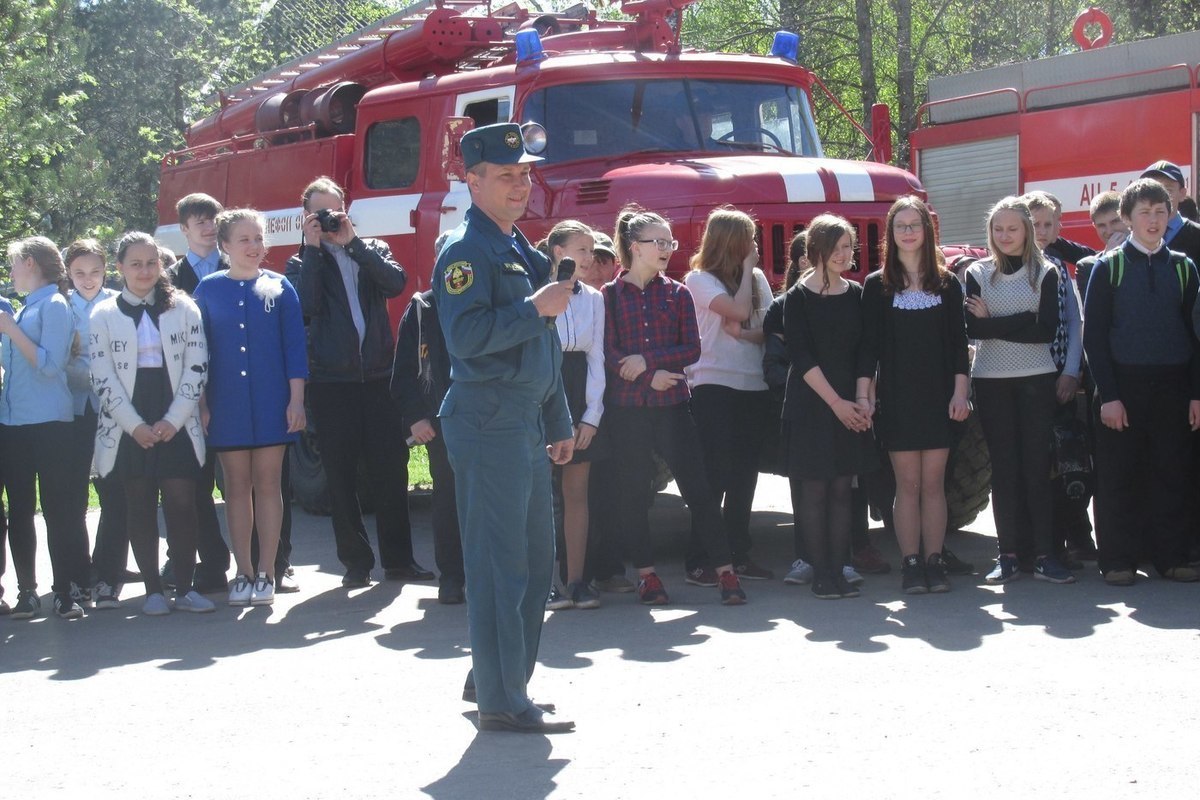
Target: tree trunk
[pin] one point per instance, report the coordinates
(905, 80)
(866, 59)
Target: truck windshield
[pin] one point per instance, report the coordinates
(618, 118)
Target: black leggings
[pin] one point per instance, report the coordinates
(821, 508)
(179, 509)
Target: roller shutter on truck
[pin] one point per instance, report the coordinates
(964, 181)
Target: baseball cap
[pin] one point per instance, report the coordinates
(496, 144)
(1164, 169)
(604, 243)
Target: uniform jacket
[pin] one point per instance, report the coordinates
(334, 352)
(113, 346)
(482, 286)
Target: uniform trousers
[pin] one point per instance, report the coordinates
(1144, 468)
(497, 447)
(447, 541)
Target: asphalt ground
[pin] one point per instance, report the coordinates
(1026, 690)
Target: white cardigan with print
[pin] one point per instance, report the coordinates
(113, 346)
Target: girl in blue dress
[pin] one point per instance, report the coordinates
(253, 405)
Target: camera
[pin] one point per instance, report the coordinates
(330, 221)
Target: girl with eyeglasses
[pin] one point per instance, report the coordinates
(730, 401)
(826, 424)
(650, 336)
(915, 341)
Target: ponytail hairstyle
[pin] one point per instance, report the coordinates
(631, 221)
(797, 260)
(83, 247)
(230, 217)
(1031, 256)
(46, 255)
(933, 269)
(824, 233)
(164, 290)
(728, 238)
(559, 235)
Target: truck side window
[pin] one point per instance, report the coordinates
(393, 153)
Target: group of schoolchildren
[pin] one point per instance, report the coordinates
(839, 386)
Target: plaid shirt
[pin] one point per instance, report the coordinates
(658, 323)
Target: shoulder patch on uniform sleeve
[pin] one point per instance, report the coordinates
(459, 277)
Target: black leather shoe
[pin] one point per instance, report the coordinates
(413, 572)
(528, 721)
(206, 583)
(356, 578)
(451, 593)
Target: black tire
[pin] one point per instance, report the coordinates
(968, 475)
(309, 487)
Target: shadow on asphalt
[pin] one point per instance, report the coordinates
(488, 757)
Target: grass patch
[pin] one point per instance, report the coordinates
(418, 477)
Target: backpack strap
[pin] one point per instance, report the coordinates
(1116, 267)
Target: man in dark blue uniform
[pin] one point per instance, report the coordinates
(504, 420)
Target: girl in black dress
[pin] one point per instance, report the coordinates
(827, 425)
(915, 340)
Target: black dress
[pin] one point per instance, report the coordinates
(823, 331)
(919, 342)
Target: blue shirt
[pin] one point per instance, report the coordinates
(1173, 226)
(79, 370)
(38, 393)
(204, 266)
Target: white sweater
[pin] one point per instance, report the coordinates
(113, 347)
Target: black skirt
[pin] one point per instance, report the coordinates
(152, 396)
(574, 375)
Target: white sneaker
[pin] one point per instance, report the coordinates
(263, 593)
(156, 605)
(195, 602)
(241, 590)
(106, 596)
(852, 577)
(800, 574)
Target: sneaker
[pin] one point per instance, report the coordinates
(558, 600)
(195, 602)
(1182, 574)
(4, 608)
(356, 578)
(651, 591)
(65, 606)
(106, 596)
(702, 576)
(1006, 569)
(240, 591)
(801, 573)
(731, 590)
(28, 605)
(753, 572)
(1119, 577)
(263, 593)
(1049, 568)
(285, 582)
(156, 605)
(870, 561)
(826, 589)
(81, 596)
(450, 593)
(582, 595)
(935, 574)
(912, 575)
(618, 584)
(851, 576)
(845, 587)
(955, 565)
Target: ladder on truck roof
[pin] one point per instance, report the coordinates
(401, 20)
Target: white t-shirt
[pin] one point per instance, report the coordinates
(724, 360)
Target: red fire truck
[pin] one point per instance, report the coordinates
(624, 107)
(628, 114)
(1073, 125)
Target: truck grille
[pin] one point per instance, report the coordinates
(775, 251)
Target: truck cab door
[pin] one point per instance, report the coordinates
(484, 107)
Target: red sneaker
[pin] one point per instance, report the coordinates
(731, 590)
(651, 591)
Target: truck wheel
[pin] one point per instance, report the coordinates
(309, 488)
(968, 475)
